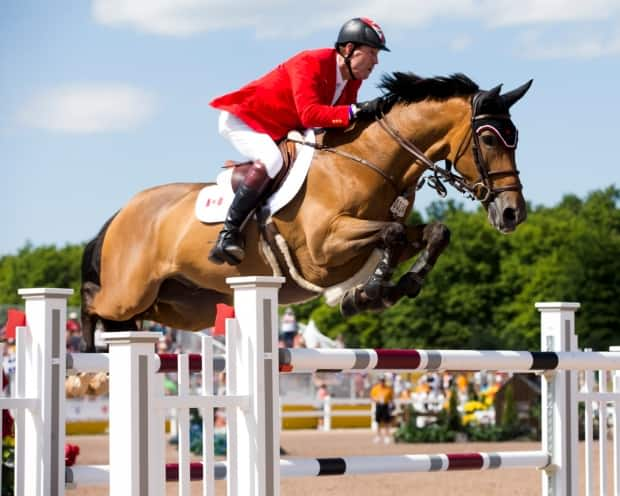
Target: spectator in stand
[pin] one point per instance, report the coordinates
(288, 327)
(322, 394)
(382, 395)
(299, 341)
(74, 333)
(219, 414)
(360, 385)
(162, 345)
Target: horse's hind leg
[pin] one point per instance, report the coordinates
(185, 306)
(118, 306)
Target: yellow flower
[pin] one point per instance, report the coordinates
(468, 419)
(472, 406)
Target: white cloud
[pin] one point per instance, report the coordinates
(88, 108)
(269, 18)
(183, 17)
(511, 12)
(534, 45)
(281, 18)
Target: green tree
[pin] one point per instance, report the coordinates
(44, 266)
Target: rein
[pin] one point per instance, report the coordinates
(388, 177)
(481, 190)
(434, 181)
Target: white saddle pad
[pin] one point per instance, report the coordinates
(213, 201)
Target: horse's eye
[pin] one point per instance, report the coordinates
(489, 139)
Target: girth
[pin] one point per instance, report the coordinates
(295, 287)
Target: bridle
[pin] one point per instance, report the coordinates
(481, 189)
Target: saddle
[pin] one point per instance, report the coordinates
(289, 153)
(288, 149)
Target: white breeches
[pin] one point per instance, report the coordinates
(250, 143)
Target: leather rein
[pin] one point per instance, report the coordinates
(482, 189)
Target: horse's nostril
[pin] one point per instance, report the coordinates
(510, 216)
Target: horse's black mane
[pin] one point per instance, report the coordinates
(407, 87)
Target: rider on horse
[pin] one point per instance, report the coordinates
(315, 88)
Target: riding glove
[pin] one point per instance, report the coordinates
(367, 110)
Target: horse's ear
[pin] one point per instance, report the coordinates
(515, 95)
(494, 91)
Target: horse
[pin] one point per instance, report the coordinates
(343, 233)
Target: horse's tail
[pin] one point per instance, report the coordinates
(91, 284)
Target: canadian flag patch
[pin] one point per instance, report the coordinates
(213, 202)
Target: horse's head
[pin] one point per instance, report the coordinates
(485, 158)
(454, 120)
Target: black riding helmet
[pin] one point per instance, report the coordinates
(362, 31)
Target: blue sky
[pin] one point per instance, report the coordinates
(100, 99)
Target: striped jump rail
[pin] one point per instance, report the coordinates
(300, 360)
(336, 466)
(338, 360)
(167, 362)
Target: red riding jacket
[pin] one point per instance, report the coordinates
(295, 95)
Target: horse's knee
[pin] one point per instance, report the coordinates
(394, 234)
(437, 235)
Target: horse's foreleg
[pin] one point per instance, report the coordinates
(393, 240)
(378, 293)
(370, 295)
(435, 239)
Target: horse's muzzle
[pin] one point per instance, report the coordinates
(504, 215)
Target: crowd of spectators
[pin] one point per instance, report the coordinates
(428, 392)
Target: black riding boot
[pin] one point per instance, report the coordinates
(230, 245)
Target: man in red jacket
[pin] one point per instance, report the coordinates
(315, 88)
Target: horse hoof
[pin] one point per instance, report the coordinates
(413, 284)
(348, 306)
(373, 289)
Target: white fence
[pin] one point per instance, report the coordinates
(253, 466)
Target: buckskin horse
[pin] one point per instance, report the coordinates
(344, 231)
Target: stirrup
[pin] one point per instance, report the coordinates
(220, 256)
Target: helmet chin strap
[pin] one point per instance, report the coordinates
(347, 62)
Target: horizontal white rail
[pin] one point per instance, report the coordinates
(18, 403)
(206, 401)
(320, 414)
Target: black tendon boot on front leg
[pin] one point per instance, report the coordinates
(230, 245)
